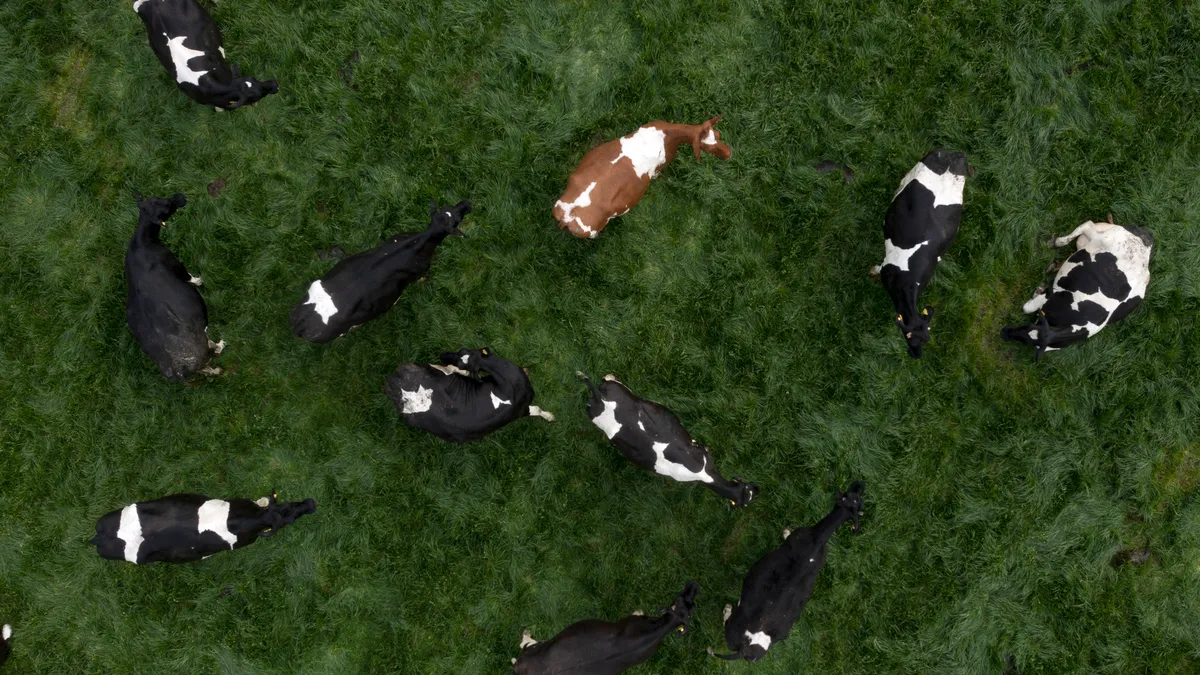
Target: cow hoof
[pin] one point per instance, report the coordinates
(638, 612)
(196, 281)
(216, 347)
(610, 378)
(1040, 290)
(211, 371)
(874, 271)
(787, 532)
(527, 640)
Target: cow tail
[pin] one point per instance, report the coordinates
(591, 386)
(736, 656)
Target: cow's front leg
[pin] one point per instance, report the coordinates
(216, 347)
(535, 411)
(1086, 230)
(1036, 302)
(527, 640)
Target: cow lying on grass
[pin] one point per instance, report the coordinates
(778, 586)
(186, 528)
(365, 285)
(1100, 283)
(165, 312)
(612, 178)
(472, 393)
(652, 437)
(920, 225)
(603, 648)
(5, 634)
(188, 43)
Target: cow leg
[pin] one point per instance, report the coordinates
(216, 347)
(1086, 230)
(196, 281)
(1036, 303)
(728, 613)
(787, 532)
(527, 640)
(535, 411)
(638, 612)
(211, 371)
(874, 271)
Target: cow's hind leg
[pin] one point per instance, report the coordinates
(535, 411)
(1035, 303)
(728, 613)
(527, 640)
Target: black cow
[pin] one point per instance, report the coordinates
(472, 393)
(652, 437)
(602, 648)
(778, 586)
(920, 225)
(367, 284)
(1100, 283)
(164, 310)
(188, 43)
(5, 634)
(186, 527)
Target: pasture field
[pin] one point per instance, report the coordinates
(1002, 495)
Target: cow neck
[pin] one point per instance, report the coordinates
(725, 488)
(148, 230)
(905, 303)
(823, 530)
(423, 242)
(677, 135)
(503, 373)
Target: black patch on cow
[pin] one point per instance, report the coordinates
(1099, 275)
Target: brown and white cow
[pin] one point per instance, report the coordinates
(612, 178)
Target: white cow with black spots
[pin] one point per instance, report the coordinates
(188, 527)
(920, 225)
(652, 437)
(1100, 283)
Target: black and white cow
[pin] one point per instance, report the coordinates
(165, 312)
(920, 225)
(365, 285)
(186, 528)
(5, 634)
(188, 43)
(604, 648)
(652, 437)
(1100, 283)
(472, 393)
(778, 586)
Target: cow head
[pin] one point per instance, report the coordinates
(851, 501)
(746, 492)
(248, 91)
(685, 603)
(708, 139)
(915, 329)
(941, 161)
(159, 209)
(447, 218)
(277, 515)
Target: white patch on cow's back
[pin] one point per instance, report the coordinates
(947, 188)
(321, 301)
(894, 255)
(607, 420)
(180, 56)
(130, 532)
(582, 201)
(646, 148)
(449, 370)
(760, 638)
(497, 401)
(679, 472)
(214, 517)
(417, 401)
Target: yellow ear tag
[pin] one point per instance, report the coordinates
(483, 351)
(681, 629)
(899, 317)
(924, 312)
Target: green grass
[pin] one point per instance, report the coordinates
(998, 490)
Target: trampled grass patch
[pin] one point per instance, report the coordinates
(1003, 496)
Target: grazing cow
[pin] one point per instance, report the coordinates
(188, 43)
(612, 178)
(5, 634)
(365, 285)
(920, 225)
(472, 393)
(164, 310)
(186, 528)
(1100, 283)
(652, 437)
(602, 648)
(778, 586)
